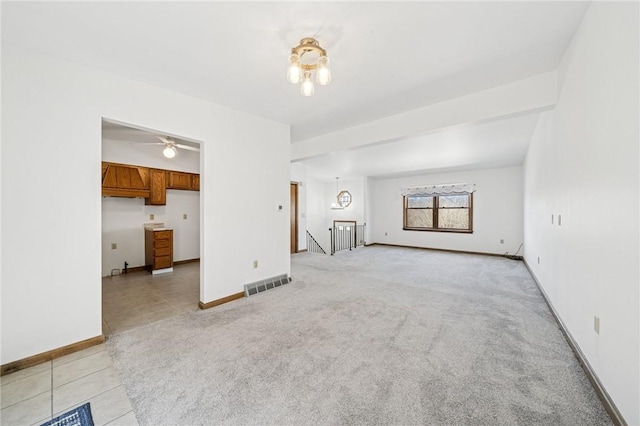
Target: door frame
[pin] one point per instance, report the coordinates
(293, 216)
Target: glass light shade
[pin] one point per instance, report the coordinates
(294, 73)
(323, 74)
(169, 152)
(307, 88)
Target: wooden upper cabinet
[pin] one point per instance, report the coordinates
(125, 180)
(183, 180)
(179, 180)
(121, 180)
(158, 187)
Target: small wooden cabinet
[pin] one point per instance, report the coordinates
(157, 188)
(179, 180)
(183, 180)
(158, 249)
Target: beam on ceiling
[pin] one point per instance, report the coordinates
(529, 95)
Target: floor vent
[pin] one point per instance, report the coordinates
(264, 285)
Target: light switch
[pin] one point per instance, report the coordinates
(114, 246)
(184, 216)
(152, 216)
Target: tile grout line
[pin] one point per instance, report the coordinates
(113, 420)
(84, 401)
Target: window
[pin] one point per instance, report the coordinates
(449, 213)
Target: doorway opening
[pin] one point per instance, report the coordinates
(293, 220)
(148, 191)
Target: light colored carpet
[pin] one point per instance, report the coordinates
(380, 335)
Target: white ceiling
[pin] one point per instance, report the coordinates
(386, 57)
(498, 143)
(122, 133)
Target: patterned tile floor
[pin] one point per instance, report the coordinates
(35, 395)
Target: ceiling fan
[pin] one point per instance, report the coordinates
(170, 146)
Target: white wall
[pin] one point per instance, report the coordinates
(583, 164)
(123, 218)
(299, 175)
(51, 154)
(355, 211)
(316, 212)
(497, 211)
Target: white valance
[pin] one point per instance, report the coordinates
(445, 189)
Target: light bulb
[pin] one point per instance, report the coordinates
(306, 88)
(294, 73)
(323, 75)
(169, 152)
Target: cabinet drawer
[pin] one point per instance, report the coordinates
(165, 251)
(161, 235)
(161, 244)
(162, 262)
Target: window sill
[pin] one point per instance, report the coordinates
(456, 231)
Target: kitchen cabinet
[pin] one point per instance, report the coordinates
(179, 180)
(127, 180)
(195, 182)
(158, 250)
(123, 180)
(183, 180)
(157, 188)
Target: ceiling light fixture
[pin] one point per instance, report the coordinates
(305, 58)
(169, 151)
(343, 199)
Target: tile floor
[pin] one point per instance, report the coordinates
(139, 298)
(35, 395)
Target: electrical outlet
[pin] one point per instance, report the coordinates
(501, 241)
(596, 324)
(114, 246)
(255, 264)
(184, 216)
(385, 234)
(152, 216)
